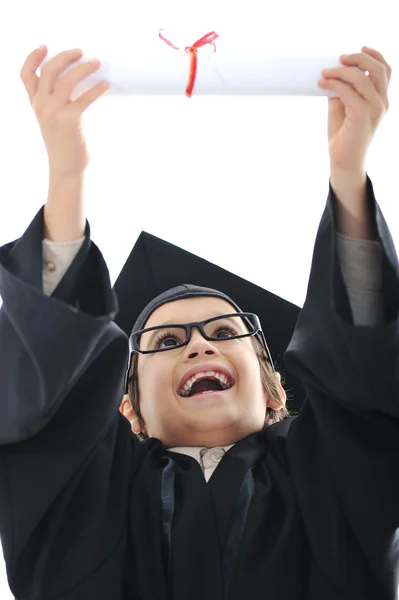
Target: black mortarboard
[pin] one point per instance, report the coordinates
(155, 266)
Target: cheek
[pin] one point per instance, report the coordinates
(246, 365)
(154, 380)
(252, 368)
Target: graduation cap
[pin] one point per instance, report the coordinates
(155, 266)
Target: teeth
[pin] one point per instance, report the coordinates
(202, 375)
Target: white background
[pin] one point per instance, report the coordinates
(189, 170)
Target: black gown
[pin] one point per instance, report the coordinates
(306, 510)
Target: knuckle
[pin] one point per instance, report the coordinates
(41, 110)
(381, 68)
(89, 66)
(380, 110)
(48, 67)
(24, 72)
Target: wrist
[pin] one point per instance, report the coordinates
(353, 218)
(350, 179)
(64, 212)
(56, 178)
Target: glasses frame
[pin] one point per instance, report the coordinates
(188, 327)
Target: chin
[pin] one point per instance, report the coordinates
(212, 423)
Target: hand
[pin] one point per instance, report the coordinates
(59, 118)
(353, 117)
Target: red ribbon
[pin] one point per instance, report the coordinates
(206, 39)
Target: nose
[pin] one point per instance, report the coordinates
(199, 345)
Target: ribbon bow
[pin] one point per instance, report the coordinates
(206, 39)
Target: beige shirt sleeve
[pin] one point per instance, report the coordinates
(361, 265)
(57, 258)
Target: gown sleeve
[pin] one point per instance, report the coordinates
(64, 446)
(344, 445)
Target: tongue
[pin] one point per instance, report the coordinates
(204, 385)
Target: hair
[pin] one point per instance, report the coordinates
(268, 377)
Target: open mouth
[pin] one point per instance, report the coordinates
(203, 383)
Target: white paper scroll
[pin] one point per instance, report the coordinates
(218, 73)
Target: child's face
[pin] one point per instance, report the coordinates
(209, 420)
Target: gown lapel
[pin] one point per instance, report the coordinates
(211, 515)
(232, 486)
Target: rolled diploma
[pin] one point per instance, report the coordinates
(217, 74)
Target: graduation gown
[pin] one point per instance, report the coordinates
(308, 509)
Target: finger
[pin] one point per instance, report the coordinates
(360, 82)
(91, 96)
(28, 71)
(52, 70)
(66, 84)
(346, 93)
(380, 58)
(377, 69)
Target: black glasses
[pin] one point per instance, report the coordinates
(163, 338)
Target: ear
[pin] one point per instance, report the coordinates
(127, 411)
(272, 403)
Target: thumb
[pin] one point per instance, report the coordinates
(28, 71)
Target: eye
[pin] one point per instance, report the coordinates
(166, 340)
(224, 332)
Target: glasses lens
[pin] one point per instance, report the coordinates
(226, 328)
(161, 339)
